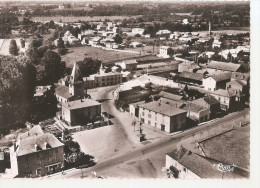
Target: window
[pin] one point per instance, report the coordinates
(142, 113)
(184, 169)
(56, 150)
(38, 172)
(149, 115)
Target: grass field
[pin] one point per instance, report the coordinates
(82, 18)
(79, 53)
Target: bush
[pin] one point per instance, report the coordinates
(62, 51)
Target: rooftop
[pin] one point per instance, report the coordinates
(202, 166)
(162, 108)
(170, 96)
(130, 61)
(36, 130)
(43, 142)
(222, 92)
(240, 76)
(191, 75)
(221, 77)
(82, 103)
(224, 66)
(137, 103)
(63, 91)
(206, 101)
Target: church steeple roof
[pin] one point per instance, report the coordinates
(75, 74)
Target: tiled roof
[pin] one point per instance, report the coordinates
(162, 108)
(36, 130)
(191, 75)
(202, 166)
(27, 145)
(221, 77)
(222, 92)
(170, 96)
(177, 104)
(237, 82)
(193, 107)
(224, 66)
(240, 76)
(63, 91)
(82, 103)
(206, 101)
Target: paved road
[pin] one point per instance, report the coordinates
(144, 150)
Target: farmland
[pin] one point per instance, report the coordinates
(79, 53)
(82, 18)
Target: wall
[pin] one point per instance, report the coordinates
(85, 115)
(39, 160)
(209, 84)
(182, 174)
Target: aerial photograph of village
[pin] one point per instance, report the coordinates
(125, 89)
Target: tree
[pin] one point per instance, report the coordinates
(36, 43)
(118, 39)
(60, 43)
(22, 43)
(89, 66)
(17, 83)
(13, 49)
(62, 51)
(170, 52)
(53, 68)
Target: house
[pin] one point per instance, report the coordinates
(139, 31)
(94, 41)
(217, 81)
(135, 44)
(81, 111)
(218, 66)
(191, 78)
(229, 99)
(163, 116)
(216, 43)
(197, 112)
(72, 87)
(188, 67)
(128, 65)
(41, 90)
(209, 102)
(163, 32)
(126, 76)
(237, 85)
(163, 52)
(170, 96)
(104, 79)
(134, 109)
(36, 155)
(186, 164)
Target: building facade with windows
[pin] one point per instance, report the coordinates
(163, 116)
(36, 155)
(81, 111)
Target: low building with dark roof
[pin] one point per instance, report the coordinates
(80, 111)
(170, 96)
(128, 65)
(217, 81)
(209, 102)
(218, 66)
(165, 117)
(36, 155)
(191, 78)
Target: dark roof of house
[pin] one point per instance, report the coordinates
(170, 96)
(63, 91)
(221, 77)
(224, 66)
(223, 92)
(162, 108)
(35, 143)
(82, 103)
(177, 104)
(206, 101)
(191, 75)
(236, 82)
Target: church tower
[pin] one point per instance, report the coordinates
(101, 69)
(76, 85)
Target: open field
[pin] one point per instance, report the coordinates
(79, 53)
(82, 18)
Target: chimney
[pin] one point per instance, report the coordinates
(189, 153)
(14, 143)
(81, 100)
(35, 147)
(159, 104)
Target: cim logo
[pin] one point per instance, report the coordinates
(225, 168)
